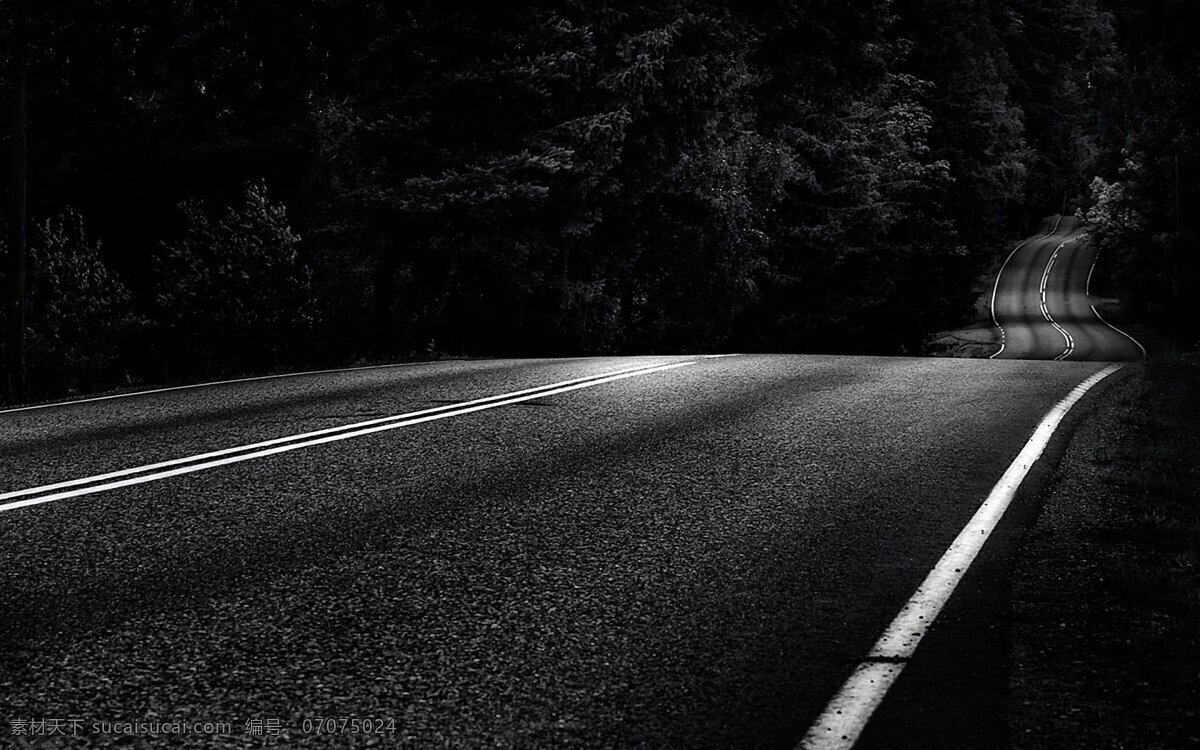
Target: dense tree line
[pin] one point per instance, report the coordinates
(1142, 207)
(227, 185)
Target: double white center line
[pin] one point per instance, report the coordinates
(996, 287)
(200, 462)
(1046, 311)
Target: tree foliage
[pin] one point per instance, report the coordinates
(81, 314)
(581, 177)
(1144, 201)
(232, 289)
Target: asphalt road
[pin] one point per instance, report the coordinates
(1042, 306)
(691, 557)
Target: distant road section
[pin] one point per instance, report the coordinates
(1041, 305)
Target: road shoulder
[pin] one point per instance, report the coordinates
(1104, 639)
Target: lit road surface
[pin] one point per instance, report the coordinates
(1041, 303)
(666, 551)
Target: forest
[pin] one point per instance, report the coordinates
(198, 188)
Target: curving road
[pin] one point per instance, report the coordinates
(1041, 304)
(615, 552)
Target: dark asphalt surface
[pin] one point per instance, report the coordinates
(1067, 326)
(690, 558)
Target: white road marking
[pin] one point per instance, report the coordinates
(847, 714)
(1136, 343)
(1088, 292)
(131, 394)
(303, 436)
(996, 286)
(189, 464)
(1070, 340)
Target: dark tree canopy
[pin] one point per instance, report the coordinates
(234, 184)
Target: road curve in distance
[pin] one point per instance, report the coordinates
(1041, 305)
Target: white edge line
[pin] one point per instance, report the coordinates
(291, 446)
(188, 386)
(1088, 291)
(996, 286)
(1118, 330)
(844, 718)
(277, 375)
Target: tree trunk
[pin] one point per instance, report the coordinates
(19, 76)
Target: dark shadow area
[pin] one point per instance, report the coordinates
(198, 190)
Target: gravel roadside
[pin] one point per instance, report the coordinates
(1105, 638)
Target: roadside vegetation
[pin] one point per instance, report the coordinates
(1106, 593)
(196, 189)
(1157, 471)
